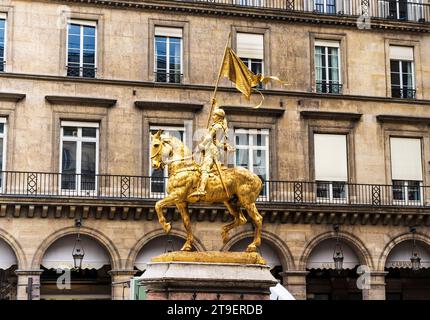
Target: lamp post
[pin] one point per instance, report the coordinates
(338, 252)
(78, 252)
(415, 257)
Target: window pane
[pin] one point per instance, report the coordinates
(89, 31)
(1, 156)
(88, 166)
(242, 158)
(323, 189)
(68, 166)
(74, 42)
(74, 29)
(339, 190)
(89, 132)
(1, 127)
(70, 131)
(414, 191)
(242, 139)
(89, 43)
(398, 190)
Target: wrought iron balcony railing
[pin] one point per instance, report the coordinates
(168, 77)
(328, 87)
(386, 9)
(404, 93)
(125, 187)
(84, 72)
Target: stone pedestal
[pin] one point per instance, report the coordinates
(28, 284)
(181, 280)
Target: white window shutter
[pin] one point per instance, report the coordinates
(401, 53)
(250, 45)
(3, 15)
(406, 162)
(168, 32)
(327, 43)
(330, 157)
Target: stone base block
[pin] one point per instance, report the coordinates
(207, 281)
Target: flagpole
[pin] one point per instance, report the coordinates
(218, 80)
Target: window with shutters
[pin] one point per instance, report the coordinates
(79, 157)
(2, 41)
(406, 170)
(327, 67)
(331, 167)
(402, 72)
(252, 153)
(82, 48)
(250, 49)
(168, 55)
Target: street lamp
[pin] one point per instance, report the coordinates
(78, 252)
(338, 252)
(415, 257)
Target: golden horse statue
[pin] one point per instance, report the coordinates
(242, 185)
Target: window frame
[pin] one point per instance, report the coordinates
(165, 128)
(401, 86)
(79, 140)
(82, 23)
(405, 192)
(251, 148)
(3, 16)
(325, 6)
(327, 45)
(181, 74)
(4, 156)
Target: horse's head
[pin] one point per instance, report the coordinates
(158, 151)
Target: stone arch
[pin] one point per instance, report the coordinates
(275, 242)
(354, 242)
(98, 236)
(151, 236)
(395, 241)
(16, 247)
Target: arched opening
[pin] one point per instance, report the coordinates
(61, 281)
(266, 251)
(156, 247)
(8, 278)
(324, 282)
(401, 281)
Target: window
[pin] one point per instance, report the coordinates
(250, 48)
(79, 157)
(406, 170)
(158, 177)
(3, 135)
(252, 153)
(2, 41)
(331, 167)
(82, 49)
(402, 72)
(327, 67)
(168, 55)
(325, 6)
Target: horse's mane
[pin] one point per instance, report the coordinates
(177, 141)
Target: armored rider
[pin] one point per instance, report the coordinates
(210, 146)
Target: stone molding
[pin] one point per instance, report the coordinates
(87, 101)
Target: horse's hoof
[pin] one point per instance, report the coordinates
(251, 248)
(167, 227)
(186, 247)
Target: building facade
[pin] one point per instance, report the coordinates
(343, 149)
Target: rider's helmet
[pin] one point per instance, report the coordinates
(219, 113)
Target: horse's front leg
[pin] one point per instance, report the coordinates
(159, 206)
(183, 209)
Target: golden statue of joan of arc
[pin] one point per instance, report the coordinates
(209, 148)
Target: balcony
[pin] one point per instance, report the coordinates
(83, 72)
(124, 187)
(328, 87)
(401, 10)
(403, 93)
(168, 77)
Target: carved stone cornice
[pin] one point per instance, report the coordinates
(184, 7)
(403, 119)
(86, 101)
(13, 97)
(169, 106)
(261, 112)
(331, 115)
(141, 210)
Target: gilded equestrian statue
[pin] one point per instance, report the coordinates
(237, 188)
